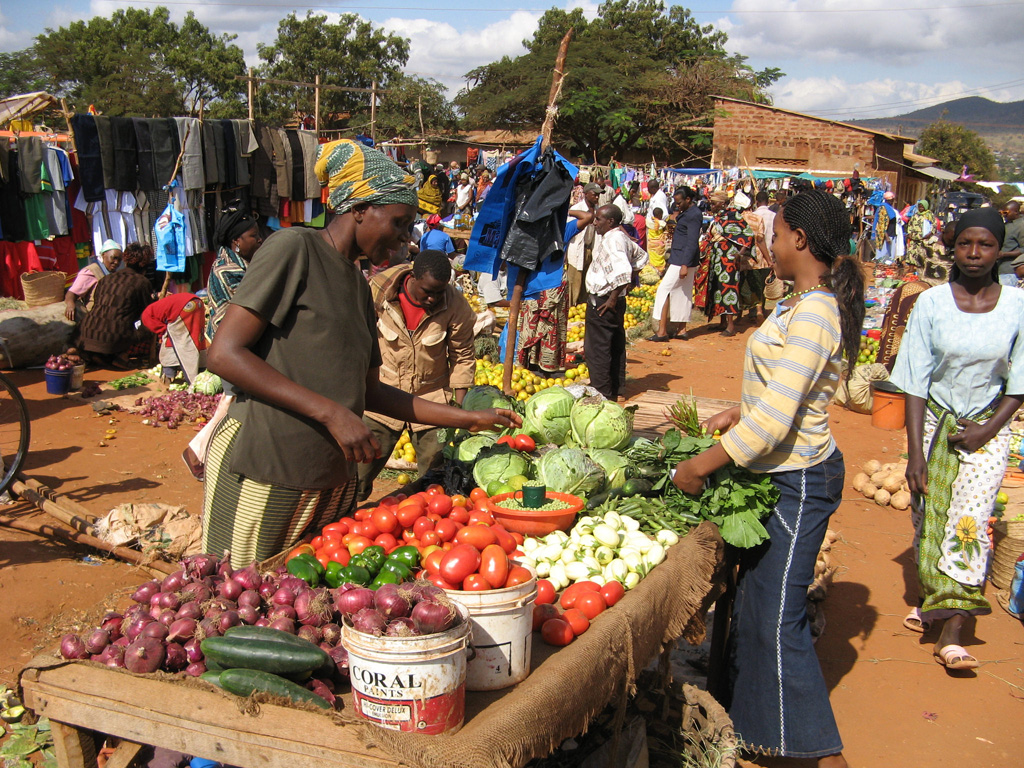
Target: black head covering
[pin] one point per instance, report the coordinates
(231, 225)
(986, 218)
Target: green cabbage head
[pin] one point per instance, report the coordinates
(471, 446)
(500, 463)
(617, 468)
(569, 470)
(547, 415)
(600, 423)
(484, 396)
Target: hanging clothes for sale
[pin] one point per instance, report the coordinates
(90, 163)
(298, 184)
(110, 218)
(12, 211)
(166, 147)
(104, 130)
(30, 163)
(191, 139)
(126, 156)
(57, 213)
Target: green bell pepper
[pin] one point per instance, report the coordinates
(397, 567)
(375, 555)
(317, 566)
(408, 555)
(300, 567)
(365, 562)
(333, 574)
(355, 574)
(385, 577)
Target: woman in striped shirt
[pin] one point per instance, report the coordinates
(779, 700)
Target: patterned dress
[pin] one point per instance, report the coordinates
(717, 284)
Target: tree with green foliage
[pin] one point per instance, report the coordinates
(20, 73)
(138, 63)
(638, 77)
(407, 97)
(351, 53)
(955, 146)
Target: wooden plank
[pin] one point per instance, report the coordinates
(74, 747)
(650, 419)
(195, 721)
(124, 755)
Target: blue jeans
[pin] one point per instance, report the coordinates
(779, 700)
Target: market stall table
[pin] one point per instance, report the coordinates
(504, 729)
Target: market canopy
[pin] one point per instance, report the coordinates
(25, 105)
(940, 174)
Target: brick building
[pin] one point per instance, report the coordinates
(766, 138)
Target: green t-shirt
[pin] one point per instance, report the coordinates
(322, 334)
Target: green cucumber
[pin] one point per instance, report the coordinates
(636, 486)
(212, 676)
(246, 682)
(245, 632)
(271, 656)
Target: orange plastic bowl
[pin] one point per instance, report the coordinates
(531, 522)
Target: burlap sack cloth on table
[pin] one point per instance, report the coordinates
(567, 686)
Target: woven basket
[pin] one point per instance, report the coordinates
(42, 288)
(1008, 545)
(708, 729)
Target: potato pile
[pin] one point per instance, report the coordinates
(885, 484)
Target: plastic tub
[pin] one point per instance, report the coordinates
(57, 382)
(502, 623)
(888, 406)
(534, 522)
(414, 684)
(78, 376)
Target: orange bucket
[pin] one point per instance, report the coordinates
(888, 407)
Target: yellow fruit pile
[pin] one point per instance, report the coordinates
(575, 333)
(577, 327)
(525, 383)
(475, 303)
(404, 448)
(579, 312)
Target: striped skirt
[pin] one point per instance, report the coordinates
(253, 520)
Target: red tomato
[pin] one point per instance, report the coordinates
(426, 549)
(545, 592)
(458, 563)
(386, 541)
(440, 504)
(556, 632)
(358, 544)
(366, 528)
(331, 545)
(317, 542)
(478, 536)
(517, 536)
(458, 500)
(341, 527)
(505, 540)
(459, 515)
(432, 562)
(422, 525)
(577, 620)
(434, 489)
(517, 575)
(437, 581)
(430, 538)
(361, 514)
(481, 517)
(542, 613)
(591, 603)
(434, 518)
(478, 493)
(493, 565)
(524, 443)
(508, 440)
(341, 556)
(612, 592)
(302, 549)
(475, 583)
(573, 591)
(347, 538)
(384, 520)
(446, 530)
(408, 511)
(323, 558)
(392, 500)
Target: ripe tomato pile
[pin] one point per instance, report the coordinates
(582, 602)
(461, 546)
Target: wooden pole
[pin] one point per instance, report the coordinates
(517, 291)
(316, 104)
(67, 120)
(419, 109)
(373, 112)
(250, 90)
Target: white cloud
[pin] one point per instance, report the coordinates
(873, 35)
(439, 50)
(10, 40)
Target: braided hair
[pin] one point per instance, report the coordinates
(826, 224)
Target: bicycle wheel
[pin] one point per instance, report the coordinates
(14, 431)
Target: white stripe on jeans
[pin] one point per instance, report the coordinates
(794, 533)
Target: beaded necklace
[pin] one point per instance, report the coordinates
(789, 296)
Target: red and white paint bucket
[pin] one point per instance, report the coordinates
(415, 684)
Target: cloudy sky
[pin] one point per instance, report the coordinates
(842, 59)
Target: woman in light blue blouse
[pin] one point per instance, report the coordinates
(961, 364)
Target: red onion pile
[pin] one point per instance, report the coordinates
(397, 610)
(176, 408)
(168, 619)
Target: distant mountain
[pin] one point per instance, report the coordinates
(986, 117)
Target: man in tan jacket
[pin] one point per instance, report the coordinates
(425, 331)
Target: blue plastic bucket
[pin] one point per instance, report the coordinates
(58, 382)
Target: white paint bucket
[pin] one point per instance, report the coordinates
(502, 621)
(415, 684)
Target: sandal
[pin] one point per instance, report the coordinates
(658, 338)
(195, 467)
(728, 333)
(684, 336)
(915, 623)
(955, 657)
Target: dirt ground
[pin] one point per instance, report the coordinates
(894, 704)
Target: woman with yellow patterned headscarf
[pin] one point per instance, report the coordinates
(299, 340)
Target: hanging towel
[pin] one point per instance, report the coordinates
(126, 156)
(105, 132)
